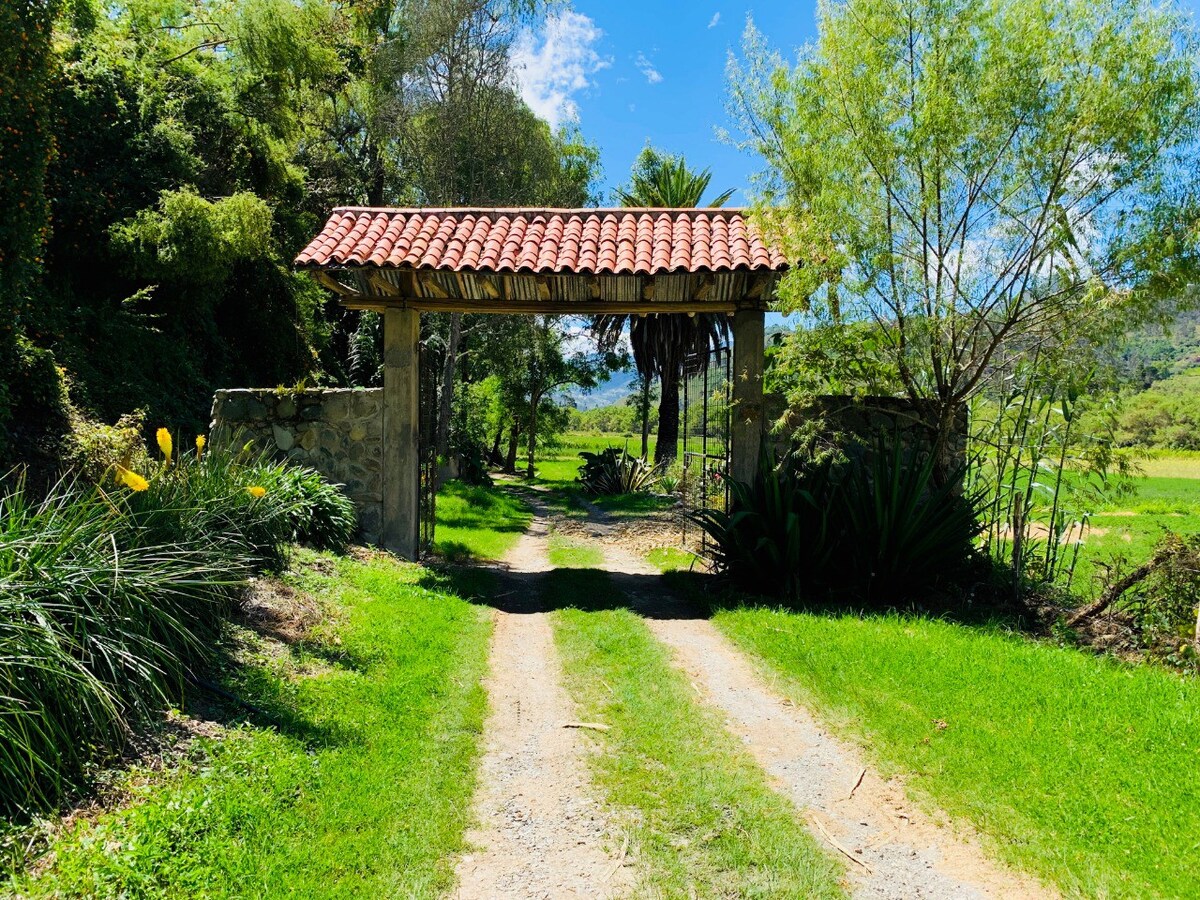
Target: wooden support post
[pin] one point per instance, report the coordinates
(749, 352)
(401, 415)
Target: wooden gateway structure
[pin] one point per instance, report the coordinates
(401, 262)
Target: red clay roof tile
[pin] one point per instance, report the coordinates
(601, 241)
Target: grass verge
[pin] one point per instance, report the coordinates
(671, 559)
(475, 522)
(566, 553)
(704, 821)
(363, 789)
(1079, 768)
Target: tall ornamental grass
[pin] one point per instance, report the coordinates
(112, 594)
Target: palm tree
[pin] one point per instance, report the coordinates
(662, 343)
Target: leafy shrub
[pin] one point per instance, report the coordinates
(1165, 416)
(472, 461)
(1165, 602)
(874, 529)
(93, 449)
(669, 482)
(615, 471)
(775, 537)
(318, 513)
(217, 497)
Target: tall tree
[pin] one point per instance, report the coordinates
(662, 343)
(28, 380)
(990, 182)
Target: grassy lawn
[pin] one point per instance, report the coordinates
(703, 819)
(478, 522)
(670, 559)
(363, 791)
(1081, 769)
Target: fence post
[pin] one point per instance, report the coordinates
(401, 413)
(747, 416)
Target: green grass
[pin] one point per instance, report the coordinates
(1125, 529)
(478, 522)
(703, 820)
(1081, 769)
(566, 553)
(670, 559)
(557, 466)
(364, 791)
(629, 506)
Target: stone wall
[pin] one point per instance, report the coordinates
(337, 432)
(859, 423)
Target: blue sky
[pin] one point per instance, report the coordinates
(628, 71)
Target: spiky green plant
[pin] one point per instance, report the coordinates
(99, 624)
(874, 529)
(616, 471)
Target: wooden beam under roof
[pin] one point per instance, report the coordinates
(546, 307)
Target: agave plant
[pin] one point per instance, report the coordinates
(873, 530)
(776, 536)
(616, 471)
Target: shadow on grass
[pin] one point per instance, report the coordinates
(590, 590)
(981, 604)
(239, 692)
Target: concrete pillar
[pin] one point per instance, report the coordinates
(401, 418)
(747, 417)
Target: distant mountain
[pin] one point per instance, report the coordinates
(615, 390)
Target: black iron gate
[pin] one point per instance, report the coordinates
(705, 427)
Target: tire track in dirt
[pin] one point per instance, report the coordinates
(540, 833)
(893, 849)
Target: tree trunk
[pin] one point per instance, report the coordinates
(377, 177)
(1115, 591)
(532, 442)
(666, 449)
(646, 417)
(446, 394)
(510, 461)
(495, 455)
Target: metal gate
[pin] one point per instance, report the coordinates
(705, 425)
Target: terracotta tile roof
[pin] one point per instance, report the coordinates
(602, 241)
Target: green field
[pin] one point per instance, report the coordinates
(1124, 530)
(477, 522)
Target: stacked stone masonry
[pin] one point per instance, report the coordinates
(855, 424)
(337, 432)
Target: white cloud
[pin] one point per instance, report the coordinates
(712, 23)
(647, 68)
(556, 63)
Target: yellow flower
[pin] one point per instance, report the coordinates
(200, 442)
(132, 480)
(164, 443)
(256, 492)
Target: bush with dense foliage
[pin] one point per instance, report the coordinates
(112, 594)
(318, 513)
(1165, 416)
(875, 529)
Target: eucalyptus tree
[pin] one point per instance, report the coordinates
(995, 184)
(662, 344)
